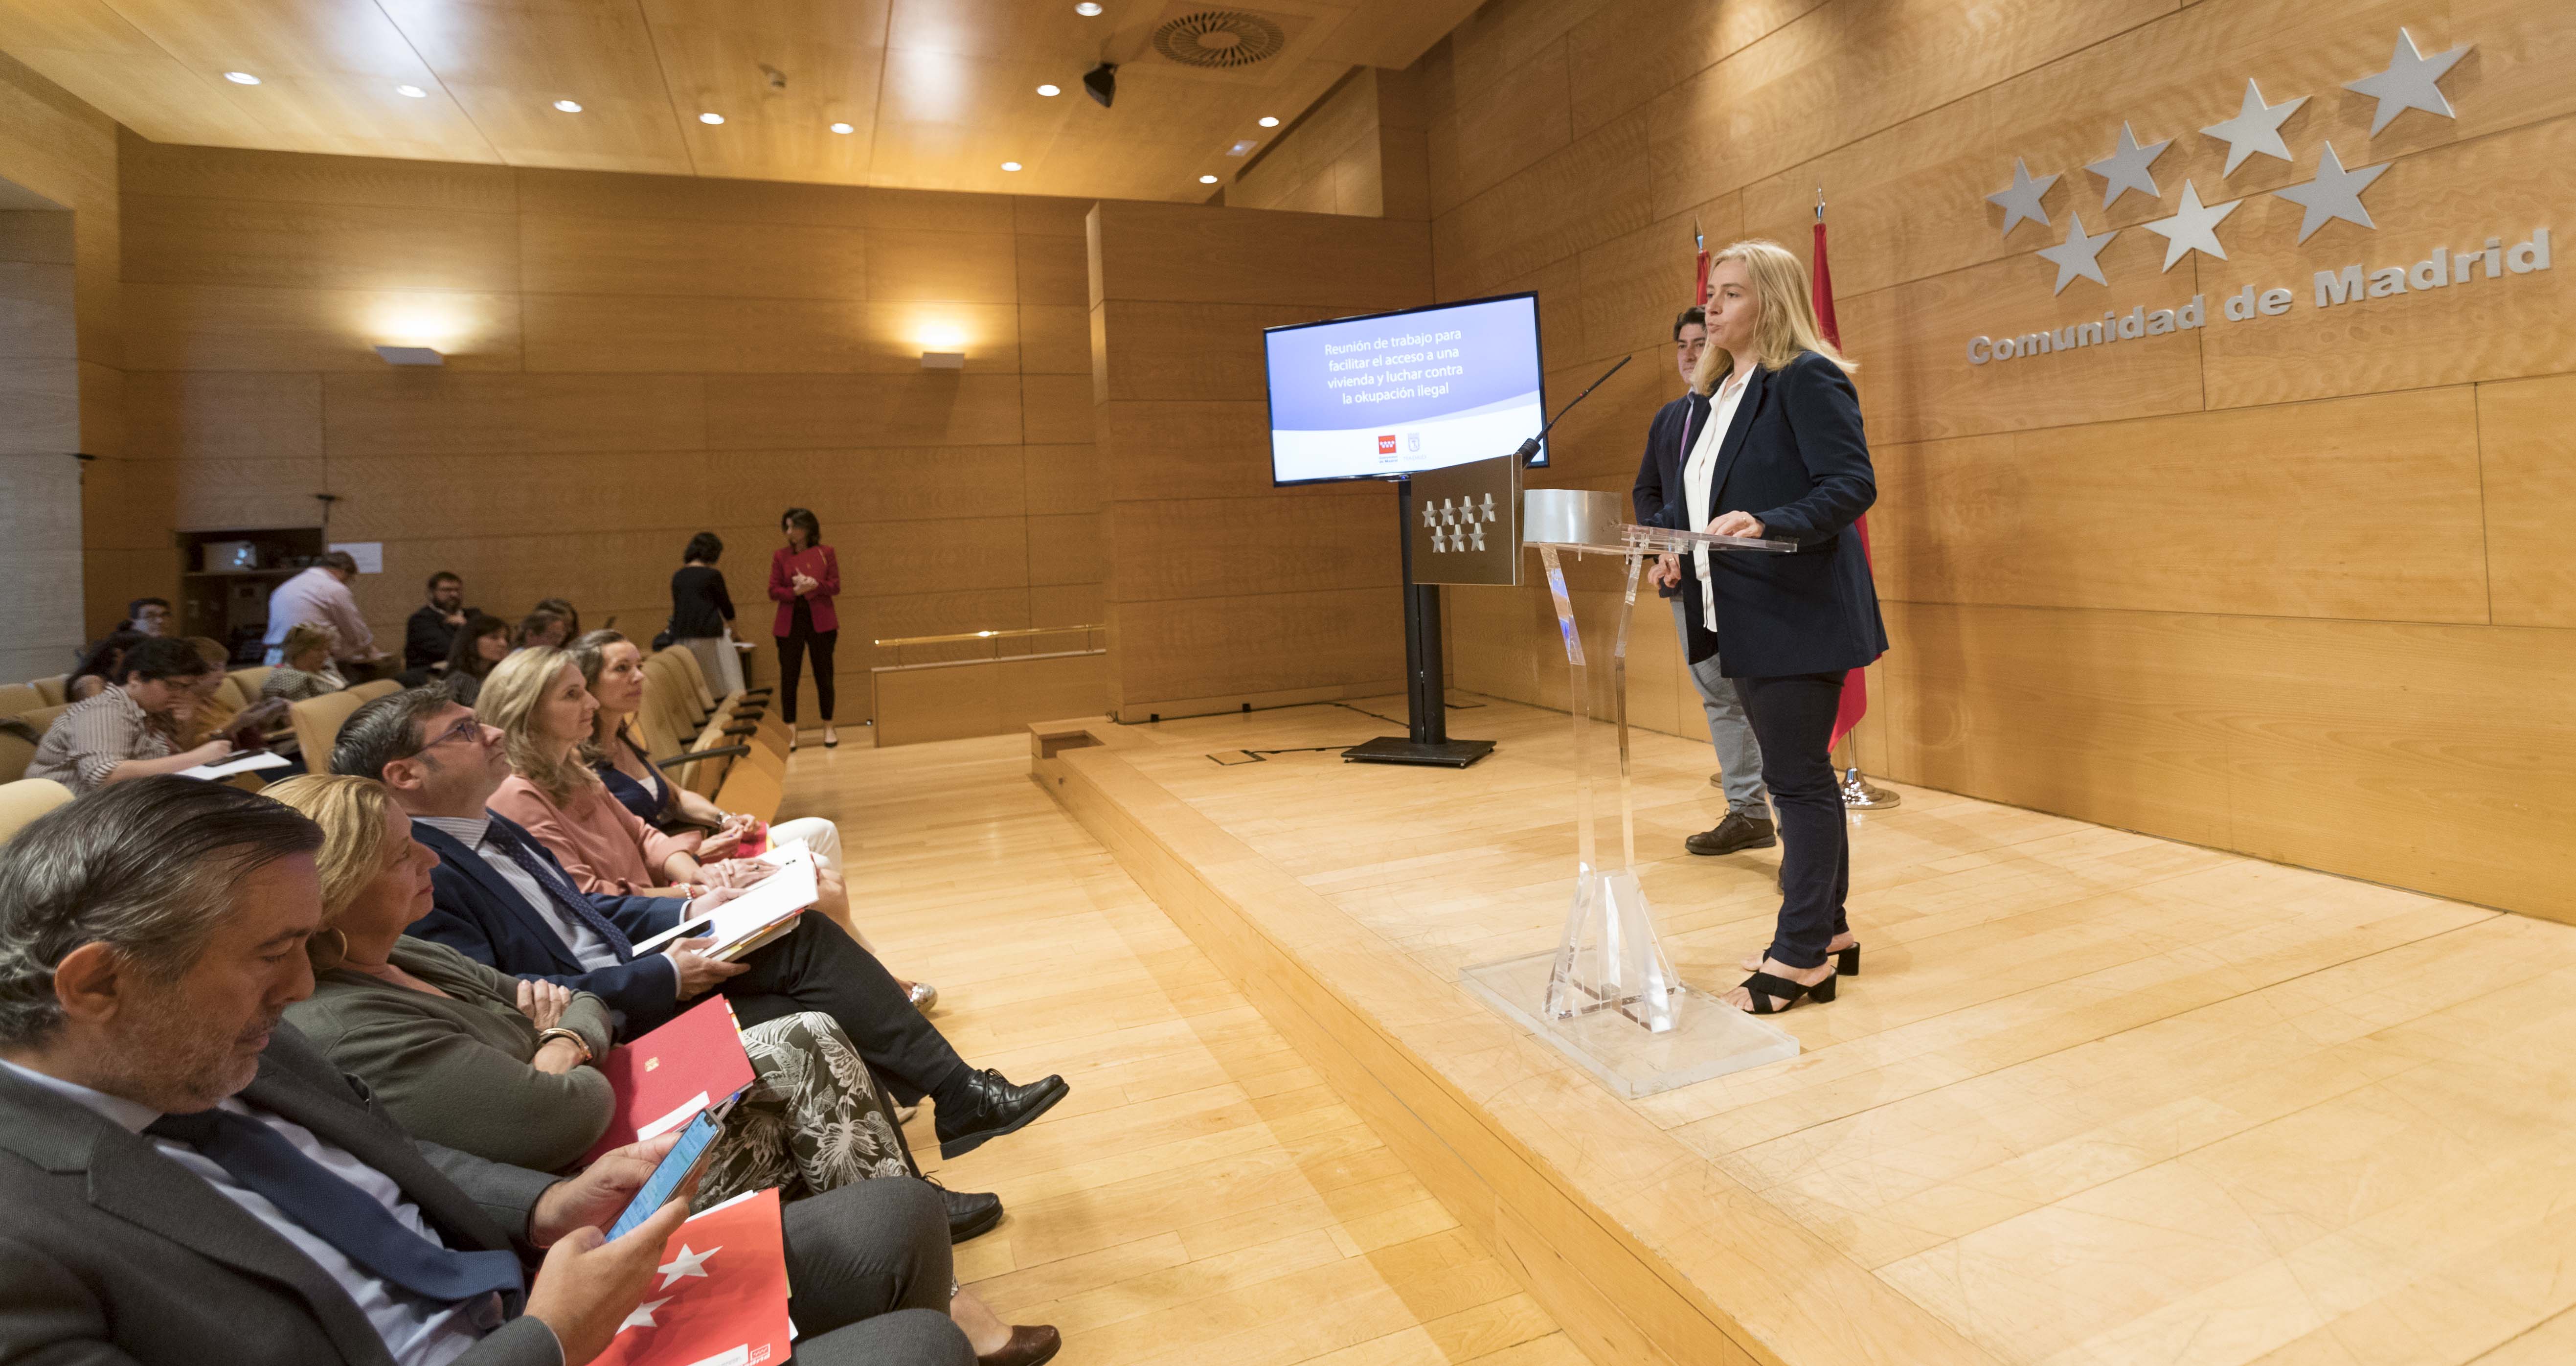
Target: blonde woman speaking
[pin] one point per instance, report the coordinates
(1779, 454)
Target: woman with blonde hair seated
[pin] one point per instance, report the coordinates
(504, 1068)
(306, 672)
(537, 700)
(612, 668)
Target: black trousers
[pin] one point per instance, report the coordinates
(818, 966)
(1793, 718)
(792, 647)
(869, 1266)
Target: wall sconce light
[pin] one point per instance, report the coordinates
(411, 355)
(943, 360)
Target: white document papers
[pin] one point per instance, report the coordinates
(755, 917)
(227, 769)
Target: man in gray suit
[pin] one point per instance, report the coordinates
(189, 1180)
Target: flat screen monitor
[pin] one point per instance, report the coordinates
(1394, 393)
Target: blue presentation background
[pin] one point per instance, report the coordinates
(1498, 349)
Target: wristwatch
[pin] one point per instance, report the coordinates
(559, 1032)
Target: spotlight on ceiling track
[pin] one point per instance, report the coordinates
(1101, 83)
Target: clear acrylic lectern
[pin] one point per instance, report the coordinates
(1607, 995)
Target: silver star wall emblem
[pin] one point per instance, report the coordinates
(2076, 255)
(2256, 128)
(2335, 193)
(2193, 227)
(2021, 198)
(2412, 81)
(2126, 169)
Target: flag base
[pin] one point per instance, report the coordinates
(1860, 795)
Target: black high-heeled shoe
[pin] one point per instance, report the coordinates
(1763, 987)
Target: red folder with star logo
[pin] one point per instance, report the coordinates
(662, 1080)
(719, 1297)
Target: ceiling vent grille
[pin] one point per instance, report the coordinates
(1219, 39)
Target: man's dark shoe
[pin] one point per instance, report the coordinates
(1030, 1345)
(971, 1214)
(1737, 831)
(986, 1106)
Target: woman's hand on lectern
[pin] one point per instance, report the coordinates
(1668, 571)
(1736, 524)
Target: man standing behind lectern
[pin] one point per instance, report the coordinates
(1739, 757)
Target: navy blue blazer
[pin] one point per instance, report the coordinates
(1659, 471)
(1795, 458)
(482, 916)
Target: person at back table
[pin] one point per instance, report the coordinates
(503, 901)
(130, 729)
(804, 576)
(306, 672)
(430, 636)
(1782, 456)
(320, 596)
(189, 1180)
(1747, 824)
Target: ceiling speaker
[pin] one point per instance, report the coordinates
(1219, 39)
(1101, 83)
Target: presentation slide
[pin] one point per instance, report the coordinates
(1371, 398)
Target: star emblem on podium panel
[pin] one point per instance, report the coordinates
(2256, 128)
(2193, 227)
(2077, 255)
(2412, 81)
(2335, 193)
(2126, 168)
(2021, 198)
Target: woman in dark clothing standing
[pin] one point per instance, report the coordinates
(702, 614)
(804, 575)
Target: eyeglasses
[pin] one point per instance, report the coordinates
(469, 728)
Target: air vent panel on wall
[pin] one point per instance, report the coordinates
(1219, 39)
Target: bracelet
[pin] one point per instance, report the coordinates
(559, 1032)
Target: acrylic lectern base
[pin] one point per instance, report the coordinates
(1397, 749)
(1708, 1039)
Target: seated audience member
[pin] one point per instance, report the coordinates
(131, 728)
(612, 668)
(503, 1067)
(98, 668)
(320, 596)
(537, 701)
(430, 634)
(504, 902)
(542, 629)
(484, 642)
(563, 608)
(191, 1180)
(147, 617)
(307, 672)
(215, 718)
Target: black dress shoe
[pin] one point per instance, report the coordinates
(1737, 831)
(986, 1106)
(971, 1214)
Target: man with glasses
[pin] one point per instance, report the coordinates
(502, 899)
(1659, 480)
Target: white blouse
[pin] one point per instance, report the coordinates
(1696, 486)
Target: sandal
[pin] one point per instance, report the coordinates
(1764, 987)
(1847, 962)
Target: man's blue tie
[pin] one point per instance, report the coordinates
(561, 889)
(341, 1214)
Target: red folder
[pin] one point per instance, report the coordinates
(719, 1294)
(672, 1073)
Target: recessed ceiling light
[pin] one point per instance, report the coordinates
(411, 92)
(1207, 180)
(241, 78)
(568, 106)
(1010, 165)
(710, 118)
(842, 128)
(1050, 91)
(1269, 123)
(1086, 9)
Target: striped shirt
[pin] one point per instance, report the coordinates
(87, 742)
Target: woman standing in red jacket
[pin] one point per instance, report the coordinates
(804, 575)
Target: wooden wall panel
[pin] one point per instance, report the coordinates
(630, 359)
(2530, 485)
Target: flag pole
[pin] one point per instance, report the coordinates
(1859, 793)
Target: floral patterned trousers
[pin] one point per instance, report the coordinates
(812, 1121)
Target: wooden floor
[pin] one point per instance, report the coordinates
(1200, 1197)
(2099, 1098)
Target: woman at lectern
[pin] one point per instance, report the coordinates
(1780, 455)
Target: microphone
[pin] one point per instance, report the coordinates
(1529, 448)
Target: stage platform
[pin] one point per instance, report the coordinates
(2098, 1098)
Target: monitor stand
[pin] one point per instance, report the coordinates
(1426, 739)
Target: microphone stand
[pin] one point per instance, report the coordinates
(1530, 447)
